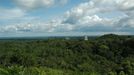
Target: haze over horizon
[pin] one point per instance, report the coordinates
(66, 17)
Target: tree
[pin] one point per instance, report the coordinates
(122, 73)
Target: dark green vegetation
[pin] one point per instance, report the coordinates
(105, 55)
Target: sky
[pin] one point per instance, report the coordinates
(22, 18)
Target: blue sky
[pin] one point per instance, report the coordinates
(19, 18)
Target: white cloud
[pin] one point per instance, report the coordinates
(125, 4)
(33, 4)
(93, 20)
(88, 14)
(127, 22)
(11, 13)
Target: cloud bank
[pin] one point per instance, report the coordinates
(90, 16)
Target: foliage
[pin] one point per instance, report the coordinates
(105, 55)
